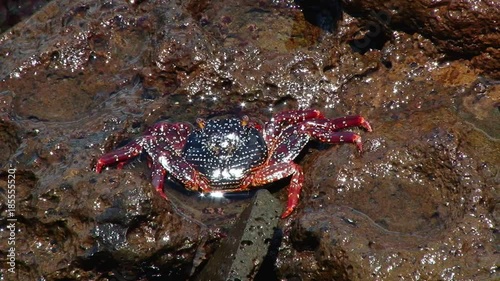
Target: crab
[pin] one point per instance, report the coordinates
(235, 154)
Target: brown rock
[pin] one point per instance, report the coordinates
(459, 28)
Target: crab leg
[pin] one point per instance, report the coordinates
(275, 172)
(325, 130)
(274, 127)
(336, 137)
(296, 116)
(120, 155)
(174, 135)
(158, 174)
(339, 123)
(161, 136)
(179, 168)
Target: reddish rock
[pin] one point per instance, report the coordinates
(460, 29)
(79, 78)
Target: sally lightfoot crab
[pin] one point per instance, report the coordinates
(230, 155)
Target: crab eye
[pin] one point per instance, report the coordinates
(201, 122)
(244, 120)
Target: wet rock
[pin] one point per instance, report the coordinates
(412, 209)
(9, 140)
(12, 12)
(79, 78)
(242, 252)
(459, 28)
(479, 106)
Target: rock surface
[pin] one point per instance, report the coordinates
(79, 78)
(460, 29)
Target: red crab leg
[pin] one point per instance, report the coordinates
(273, 127)
(159, 136)
(276, 172)
(340, 123)
(336, 137)
(158, 174)
(296, 116)
(120, 156)
(179, 168)
(172, 134)
(325, 129)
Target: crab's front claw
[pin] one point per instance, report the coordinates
(158, 177)
(100, 164)
(110, 159)
(197, 183)
(119, 156)
(356, 139)
(363, 123)
(287, 212)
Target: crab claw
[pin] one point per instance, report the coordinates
(363, 123)
(358, 142)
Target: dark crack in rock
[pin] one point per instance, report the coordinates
(242, 252)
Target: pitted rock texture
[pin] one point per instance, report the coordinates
(79, 78)
(461, 29)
